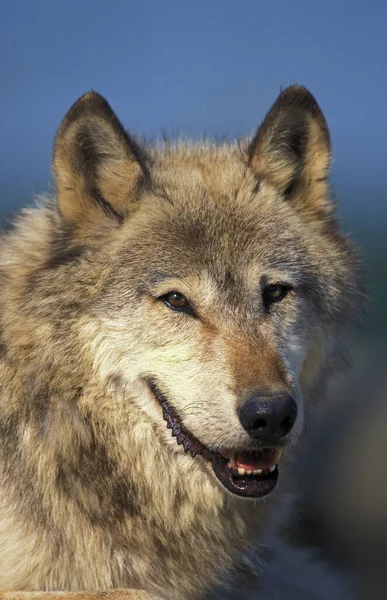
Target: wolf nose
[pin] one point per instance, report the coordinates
(267, 416)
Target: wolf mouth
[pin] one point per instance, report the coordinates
(246, 474)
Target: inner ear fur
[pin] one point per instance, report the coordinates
(292, 151)
(97, 165)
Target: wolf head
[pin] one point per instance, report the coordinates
(221, 281)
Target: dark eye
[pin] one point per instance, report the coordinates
(178, 302)
(275, 293)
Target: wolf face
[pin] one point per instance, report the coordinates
(222, 283)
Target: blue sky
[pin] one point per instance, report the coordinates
(194, 67)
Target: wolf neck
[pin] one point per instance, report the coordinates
(193, 522)
(124, 490)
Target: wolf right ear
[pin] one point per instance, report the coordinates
(291, 150)
(97, 165)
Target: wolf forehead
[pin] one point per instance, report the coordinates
(208, 207)
(204, 208)
(193, 219)
(206, 213)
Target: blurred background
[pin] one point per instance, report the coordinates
(214, 67)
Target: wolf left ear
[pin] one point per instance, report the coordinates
(97, 165)
(292, 151)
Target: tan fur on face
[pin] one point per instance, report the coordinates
(256, 367)
(95, 494)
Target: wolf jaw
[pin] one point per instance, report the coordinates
(246, 474)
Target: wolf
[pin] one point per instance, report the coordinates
(167, 319)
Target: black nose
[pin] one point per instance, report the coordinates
(266, 416)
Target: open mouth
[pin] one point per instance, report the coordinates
(247, 474)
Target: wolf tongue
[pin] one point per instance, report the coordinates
(258, 460)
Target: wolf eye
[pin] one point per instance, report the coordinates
(275, 292)
(178, 302)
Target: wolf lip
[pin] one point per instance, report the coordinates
(249, 486)
(229, 471)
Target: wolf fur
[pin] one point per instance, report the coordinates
(95, 494)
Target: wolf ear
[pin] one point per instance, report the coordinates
(292, 151)
(97, 165)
